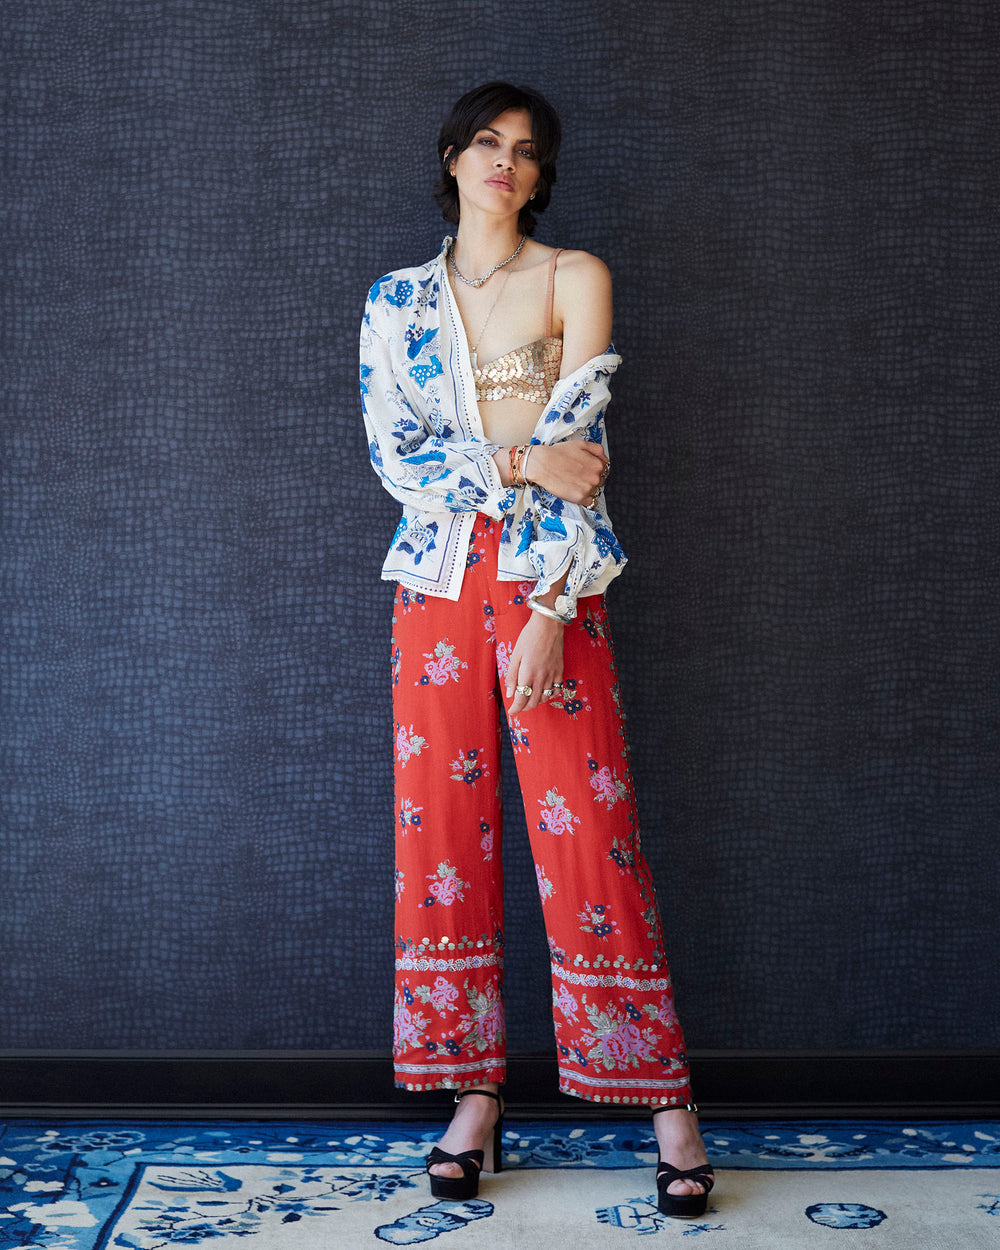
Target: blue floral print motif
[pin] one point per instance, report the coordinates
(595, 628)
(572, 700)
(467, 767)
(596, 920)
(373, 451)
(417, 341)
(622, 855)
(422, 374)
(409, 816)
(401, 294)
(419, 540)
(409, 599)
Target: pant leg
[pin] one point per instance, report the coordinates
(617, 1034)
(448, 1027)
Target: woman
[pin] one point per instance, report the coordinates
(484, 378)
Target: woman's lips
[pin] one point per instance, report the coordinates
(500, 182)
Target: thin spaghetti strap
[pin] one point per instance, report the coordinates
(551, 292)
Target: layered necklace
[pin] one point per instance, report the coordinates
(478, 282)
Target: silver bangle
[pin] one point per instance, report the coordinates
(524, 465)
(550, 613)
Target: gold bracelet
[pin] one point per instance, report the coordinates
(517, 457)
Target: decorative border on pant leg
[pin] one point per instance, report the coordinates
(581, 1085)
(616, 981)
(472, 1074)
(424, 963)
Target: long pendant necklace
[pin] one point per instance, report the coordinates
(479, 336)
(478, 282)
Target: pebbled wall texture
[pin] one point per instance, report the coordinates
(797, 202)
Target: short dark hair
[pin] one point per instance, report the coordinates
(476, 109)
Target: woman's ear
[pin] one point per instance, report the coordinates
(447, 157)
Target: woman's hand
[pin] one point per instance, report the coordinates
(536, 661)
(573, 470)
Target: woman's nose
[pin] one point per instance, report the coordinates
(503, 161)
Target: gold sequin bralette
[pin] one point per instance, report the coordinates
(528, 372)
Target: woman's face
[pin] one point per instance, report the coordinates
(498, 171)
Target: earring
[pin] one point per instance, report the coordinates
(531, 196)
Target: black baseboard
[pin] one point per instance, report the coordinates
(342, 1085)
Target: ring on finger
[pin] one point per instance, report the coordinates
(525, 690)
(548, 692)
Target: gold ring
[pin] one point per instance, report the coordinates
(525, 690)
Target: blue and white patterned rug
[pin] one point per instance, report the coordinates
(301, 1186)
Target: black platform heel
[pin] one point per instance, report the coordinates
(472, 1162)
(683, 1206)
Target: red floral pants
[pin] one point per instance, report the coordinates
(618, 1037)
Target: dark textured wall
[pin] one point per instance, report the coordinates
(796, 201)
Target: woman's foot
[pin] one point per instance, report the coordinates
(473, 1128)
(682, 1149)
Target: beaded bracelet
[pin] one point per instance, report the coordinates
(516, 456)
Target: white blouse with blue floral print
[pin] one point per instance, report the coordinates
(428, 446)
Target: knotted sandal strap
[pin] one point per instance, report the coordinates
(470, 1161)
(703, 1174)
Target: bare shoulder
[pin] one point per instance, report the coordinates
(583, 273)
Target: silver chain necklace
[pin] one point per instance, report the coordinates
(478, 282)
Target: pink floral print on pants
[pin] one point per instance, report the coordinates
(617, 1034)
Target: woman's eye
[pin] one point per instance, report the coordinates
(487, 141)
(528, 153)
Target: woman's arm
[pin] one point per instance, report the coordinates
(572, 470)
(583, 305)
